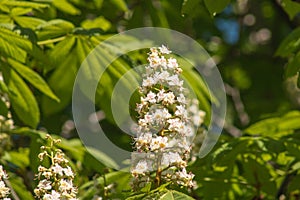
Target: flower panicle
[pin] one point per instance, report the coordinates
(4, 190)
(167, 122)
(56, 181)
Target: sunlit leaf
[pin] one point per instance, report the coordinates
(276, 126)
(66, 7)
(13, 45)
(32, 77)
(54, 28)
(22, 99)
(99, 22)
(28, 22)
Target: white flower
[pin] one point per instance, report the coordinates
(181, 98)
(4, 191)
(160, 115)
(65, 185)
(3, 175)
(53, 196)
(185, 178)
(144, 139)
(181, 111)
(45, 185)
(68, 172)
(172, 158)
(175, 124)
(174, 81)
(158, 143)
(151, 97)
(149, 81)
(154, 61)
(57, 169)
(172, 63)
(169, 98)
(163, 76)
(160, 95)
(141, 167)
(164, 50)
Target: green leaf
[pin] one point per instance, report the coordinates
(66, 7)
(26, 4)
(54, 28)
(293, 66)
(99, 22)
(216, 6)
(175, 195)
(291, 8)
(19, 187)
(32, 77)
(120, 4)
(61, 81)
(228, 152)
(189, 5)
(13, 45)
(60, 52)
(19, 157)
(276, 126)
(293, 148)
(3, 87)
(3, 108)
(28, 22)
(22, 99)
(20, 11)
(290, 45)
(103, 158)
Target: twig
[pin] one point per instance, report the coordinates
(12, 191)
(232, 130)
(238, 104)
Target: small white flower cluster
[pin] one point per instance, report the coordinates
(4, 191)
(55, 182)
(6, 123)
(166, 124)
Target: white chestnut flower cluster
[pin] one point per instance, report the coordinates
(55, 182)
(167, 123)
(6, 125)
(4, 191)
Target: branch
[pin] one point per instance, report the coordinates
(238, 104)
(12, 191)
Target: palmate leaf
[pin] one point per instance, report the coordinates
(22, 99)
(66, 7)
(32, 77)
(276, 126)
(25, 4)
(28, 22)
(61, 81)
(54, 28)
(77, 47)
(13, 45)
